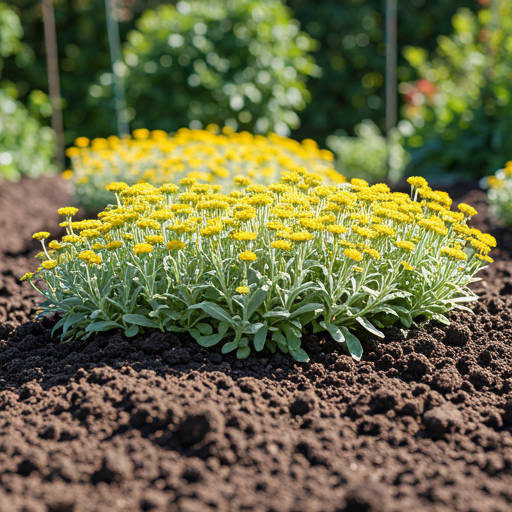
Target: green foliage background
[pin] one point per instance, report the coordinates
(350, 52)
(467, 127)
(25, 146)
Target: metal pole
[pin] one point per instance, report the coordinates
(391, 59)
(391, 79)
(114, 42)
(52, 61)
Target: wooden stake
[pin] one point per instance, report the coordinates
(52, 60)
(391, 78)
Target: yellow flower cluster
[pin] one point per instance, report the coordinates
(202, 155)
(353, 222)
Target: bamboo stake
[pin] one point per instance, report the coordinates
(391, 78)
(52, 61)
(114, 42)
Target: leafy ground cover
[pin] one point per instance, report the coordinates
(423, 422)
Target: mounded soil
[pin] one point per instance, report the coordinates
(157, 423)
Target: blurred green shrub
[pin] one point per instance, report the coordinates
(25, 146)
(460, 111)
(242, 63)
(366, 156)
(352, 56)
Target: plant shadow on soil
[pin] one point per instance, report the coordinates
(423, 422)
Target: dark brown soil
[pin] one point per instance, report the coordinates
(156, 423)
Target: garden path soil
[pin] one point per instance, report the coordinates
(156, 423)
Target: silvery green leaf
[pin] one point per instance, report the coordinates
(300, 355)
(256, 300)
(208, 341)
(292, 341)
(277, 313)
(253, 328)
(334, 331)
(280, 339)
(72, 301)
(229, 347)
(260, 337)
(140, 320)
(369, 327)
(441, 319)
(315, 306)
(352, 343)
(213, 310)
(243, 352)
(102, 326)
(131, 331)
(205, 329)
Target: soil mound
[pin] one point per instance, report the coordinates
(157, 423)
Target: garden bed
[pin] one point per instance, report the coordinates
(423, 422)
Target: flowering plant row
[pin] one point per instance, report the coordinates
(261, 265)
(500, 194)
(203, 155)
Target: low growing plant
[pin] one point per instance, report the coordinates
(261, 265)
(499, 194)
(203, 155)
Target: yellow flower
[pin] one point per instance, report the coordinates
(365, 232)
(284, 245)
(242, 289)
(357, 269)
(117, 186)
(244, 236)
(72, 239)
(27, 277)
(480, 246)
(358, 183)
(417, 181)
(372, 252)
(174, 245)
(247, 256)
(48, 265)
(112, 246)
(82, 142)
(154, 239)
(467, 210)
(168, 189)
(142, 248)
(487, 239)
(454, 253)
(336, 229)
(55, 246)
(69, 211)
(406, 265)
(41, 235)
(486, 258)
(404, 244)
(353, 254)
(211, 230)
(90, 234)
(301, 236)
(260, 200)
(86, 255)
(98, 246)
(242, 181)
